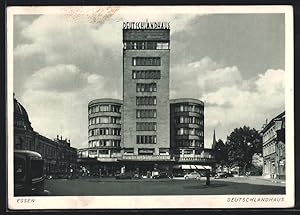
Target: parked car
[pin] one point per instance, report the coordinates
(179, 174)
(161, 175)
(124, 176)
(229, 174)
(221, 175)
(192, 175)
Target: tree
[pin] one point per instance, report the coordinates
(242, 143)
(221, 154)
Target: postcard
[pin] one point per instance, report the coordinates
(138, 107)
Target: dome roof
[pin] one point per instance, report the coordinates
(21, 118)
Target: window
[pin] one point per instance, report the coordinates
(92, 152)
(145, 74)
(140, 87)
(104, 120)
(146, 126)
(163, 151)
(162, 45)
(146, 139)
(146, 151)
(128, 151)
(189, 108)
(188, 152)
(146, 100)
(146, 113)
(150, 45)
(103, 152)
(146, 61)
(189, 131)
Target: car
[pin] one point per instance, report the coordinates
(192, 175)
(124, 176)
(221, 175)
(229, 174)
(178, 174)
(161, 175)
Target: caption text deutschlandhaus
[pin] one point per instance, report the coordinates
(255, 199)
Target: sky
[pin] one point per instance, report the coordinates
(232, 62)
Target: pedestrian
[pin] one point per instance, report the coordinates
(207, 177)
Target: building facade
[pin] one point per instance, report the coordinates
(104, 137)
(59, 157)
(146, 62)
(157, 134)
(273, 135)
(187, 127)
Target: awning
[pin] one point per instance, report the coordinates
(191, 167)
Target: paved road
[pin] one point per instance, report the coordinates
(103, 187)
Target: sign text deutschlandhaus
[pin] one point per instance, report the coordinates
(146, 25)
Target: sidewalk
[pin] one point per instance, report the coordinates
(258, 180)
(281, 181)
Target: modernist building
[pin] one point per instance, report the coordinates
(146, 116)
(104, 135)
(273, 135)
(59, 156)
(187, 127)
(156, 133)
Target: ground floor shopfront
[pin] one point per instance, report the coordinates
(141, 168)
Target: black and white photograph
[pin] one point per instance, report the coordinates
(150, 107)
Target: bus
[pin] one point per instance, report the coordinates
(29, 174)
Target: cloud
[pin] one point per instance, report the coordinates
(62, 63)
(64, 113)
(244, 106)
(200, 77)
(230, 101)
(58, 78)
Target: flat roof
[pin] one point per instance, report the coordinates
(106, 100)
(186, 100)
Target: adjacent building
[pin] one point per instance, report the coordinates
(104, 137)
(273, 136)
(187, 128)
(59, 157)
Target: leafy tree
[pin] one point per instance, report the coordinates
(221, 154)
(242, 143)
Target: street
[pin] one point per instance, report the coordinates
(111, 186)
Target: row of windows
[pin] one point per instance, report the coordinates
(146, 139)
(146, 45)
(189, 108)
(185, 152)
(101, 143)
(104, 120)
(146, 100)
(189, 131)
(147, 151)
(141, 87)
(271, 133)
(146, 113)
(146, 74)
(146, 126)
(104, 131)
(188, 143)
(146, 61)
(188, 120)
(269, 149)
(105, 108)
